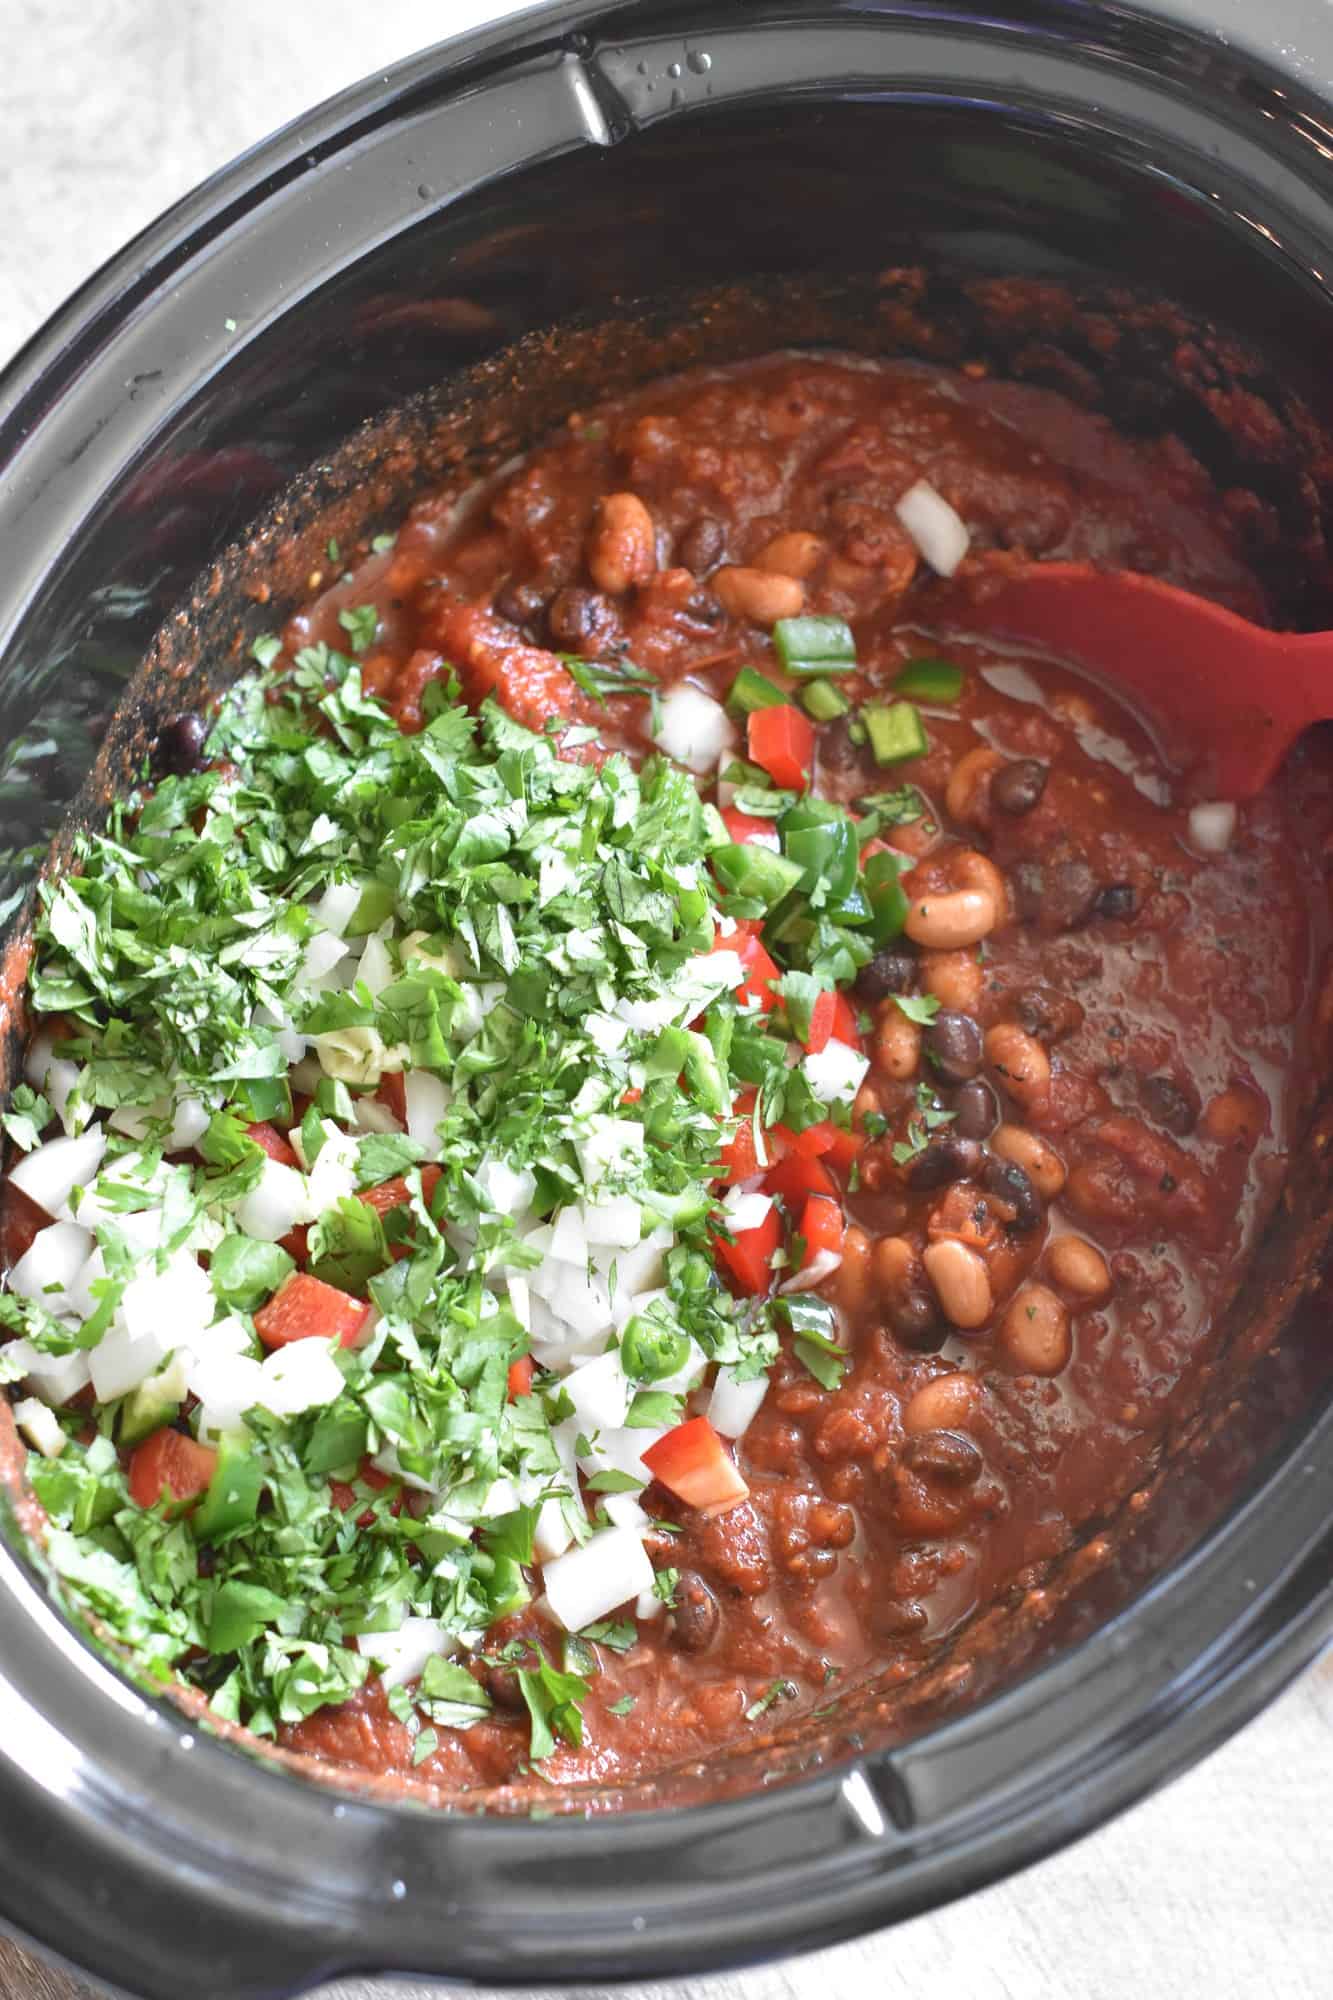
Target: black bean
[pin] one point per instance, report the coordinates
(976, 1112)
(1008, 1182)
(582, 621)
(1018, 787)
(1117, 900)
(888, 972)
(695, 1620)
(1028, 881)
(1048, 1015)
(180, 745)
(945, 1159)
(521, 604)
(502, 1685)
(954, 1045)
(838, 750)
(1070, 894)
(916, 1322)
(945, 1456)
(702, 545)
(1170, 1105)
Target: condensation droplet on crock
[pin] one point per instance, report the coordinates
(673, 69)
(699, 62)
(187, 1741)
(398, 1890)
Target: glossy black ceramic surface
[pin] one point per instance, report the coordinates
(542, 171)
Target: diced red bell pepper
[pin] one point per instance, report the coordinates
(749, 1256)
(820, 1032)
(797, 1177)
(344, 1496)
(815, 1141)
(270, 1140)
(845, 1027)
(760, 972)
(632, 1095)
(744, 827)
(520, 1377)
(297, 1242)
(396, 1194)
(392, 1094)
(171, 1464)
(782, 742)
(305, 1308)
(874, 846)
(739, 1159)
(843, 1147)
(821, 1227)
(694, 1464)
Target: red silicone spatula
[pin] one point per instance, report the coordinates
(1226, 698)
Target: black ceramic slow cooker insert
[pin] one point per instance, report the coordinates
(601, 171)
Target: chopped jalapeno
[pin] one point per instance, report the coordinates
(895, 732)
(930, 680)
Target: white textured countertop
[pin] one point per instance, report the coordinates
(1221, 1886)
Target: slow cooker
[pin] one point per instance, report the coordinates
(411, 279)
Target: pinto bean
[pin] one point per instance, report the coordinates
(1021, 1061)
(1040, 1162)
(851, 1280)
(622, 548)
(948, 1403)
(897, 1042)
(961, 1280)
(954, 977)
(946, 922)
(760, 595)
(795, 554)
(968, 790)
(1077, 1266)
(894, 1262)
(1034, 1333)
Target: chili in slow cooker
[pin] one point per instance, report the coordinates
(641, 1126)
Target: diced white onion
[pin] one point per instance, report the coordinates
(745, 1210)
(648, 1605)
(569, 1239)
(337, 906)
(122, 1360)
(622, 1510)
(51, 1264)
(189, 1122)
(401, 1656)
(507, 1190)
(227, 1385)
(275, 1205)
(39, 1427)
(427, 1101)
(552, 1534)
(175, 1305)
(591, 1582)
(520, 1302)
(822, 1265)
(56, 1078)
(53, 1377)
(620, 1451)
(369, 1115)
(600, 1393)
(303, 1375)
(934, 526)
(692, 728)
(733, 1405)
(334, 1175)
(376, 970)
(836, 1073)
(607, 1145)
(684, 1378)
(1213, 827)
(323, 954)
(51, 1172)
(616, 1224)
